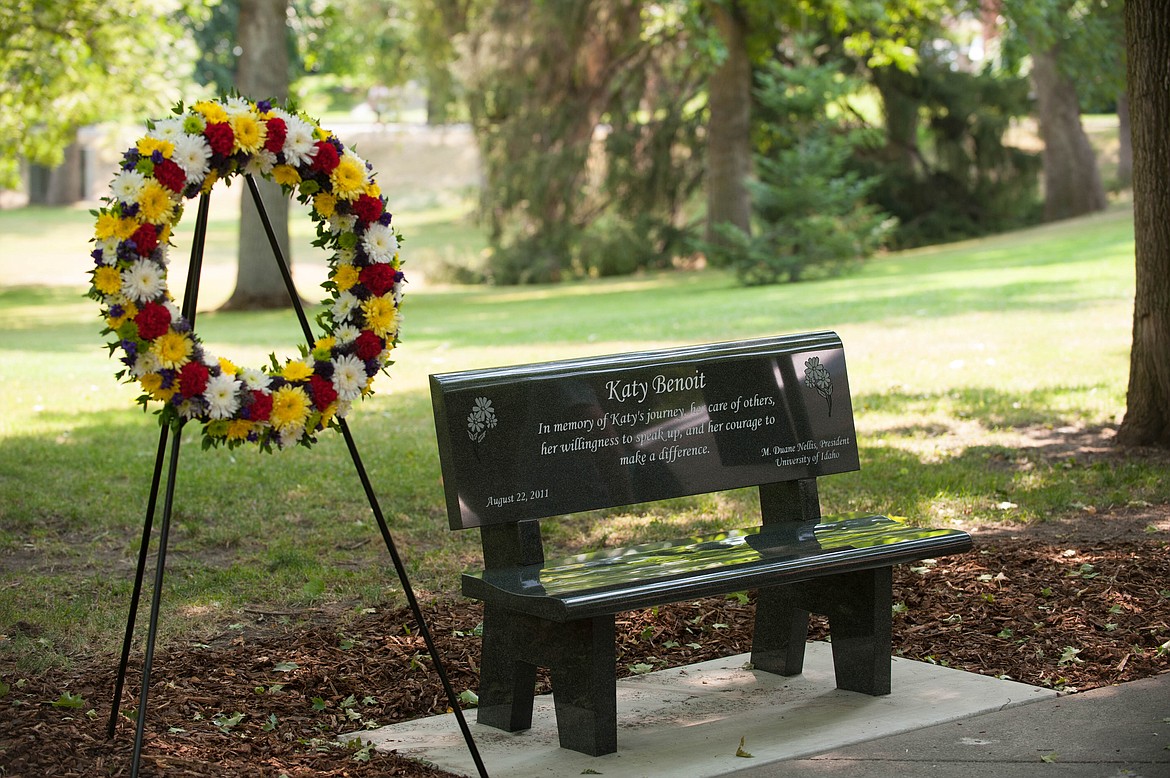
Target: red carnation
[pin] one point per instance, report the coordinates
(325, 157)
(368, 208)
(323, 392)
(192, 379)
(261, 406)
(277, 132)
(152, 320)
(220, 137)
(170, 175)
(368, 345)
(146, 239)
(379, 278)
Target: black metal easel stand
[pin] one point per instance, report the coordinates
(190, 297)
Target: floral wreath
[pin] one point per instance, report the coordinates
(183, 156)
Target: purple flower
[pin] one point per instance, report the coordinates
(263, 106)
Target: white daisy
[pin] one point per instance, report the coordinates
(339, 224)
(222, 395)
(255, 379)
(143, 281)
(380, 243)
(346, 333)
(190, 409)
(173, 309)
(193, 154)
(109, 249)
(167, 129)
(145, 362)
(349, 376)
(261, 163)
(343, 407)
(127, 185)
(298, 142)
(343, 306)
(289, 435)
(345, 256)
(236, 106)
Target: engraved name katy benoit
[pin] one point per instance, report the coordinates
(639, 391)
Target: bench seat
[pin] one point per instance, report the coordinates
(641, 576)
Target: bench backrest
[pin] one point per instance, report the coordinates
(533, 441)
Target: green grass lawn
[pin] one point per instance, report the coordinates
(956, 354)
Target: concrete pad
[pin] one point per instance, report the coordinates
(688, 722)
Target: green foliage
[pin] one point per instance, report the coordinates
(68, 64)
(585, 132)
(954, 175)
(1087, 37)
(810, 210)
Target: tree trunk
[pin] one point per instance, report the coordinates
(900, 106)
(729, 140)
(1125, 144)
(1147, 34)
(60, 185)
(1072, 182)
(262, 74)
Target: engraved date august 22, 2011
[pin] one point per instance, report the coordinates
(522, 496)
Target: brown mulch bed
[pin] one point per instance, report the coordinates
(1072, 606)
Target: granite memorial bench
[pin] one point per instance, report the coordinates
(528, 443)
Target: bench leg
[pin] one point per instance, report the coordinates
(859, 606)
(580, 655)
(781, 632)
(506, 684)
(861, 627)
(585, 687)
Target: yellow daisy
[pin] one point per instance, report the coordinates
(290, 407)
(107, 226)
(297, 370)
(172, 349)
(345, 277)
(381, 316)
(213, 113)
(325, 204)
(348, 178)
(107, 280)
(238, 429)
(155, 204)
(148, 146)
(250, 133)
(286, 175)
(126, 227)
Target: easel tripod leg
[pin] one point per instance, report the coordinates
(140, 573)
